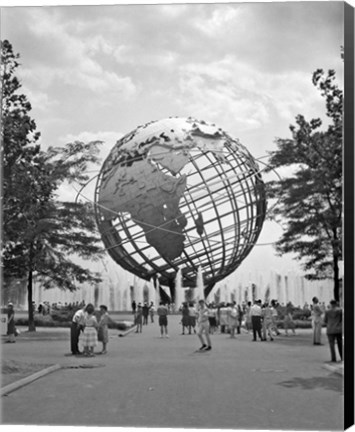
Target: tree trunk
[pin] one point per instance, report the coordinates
(336, 253)
(31, 322)
(336, 277)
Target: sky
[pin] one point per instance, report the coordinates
(98, 72)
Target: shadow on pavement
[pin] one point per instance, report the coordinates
(331, 382)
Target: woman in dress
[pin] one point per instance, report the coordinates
(266, 313)
(89, 335)
(316, 322)
(103, 328)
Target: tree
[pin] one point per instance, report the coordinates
(41, 234)
(309, 201)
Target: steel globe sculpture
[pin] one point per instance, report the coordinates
(179, 193)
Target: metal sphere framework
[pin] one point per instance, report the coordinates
(179, 193)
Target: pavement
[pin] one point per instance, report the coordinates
(147, 381)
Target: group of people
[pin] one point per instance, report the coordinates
(87, 330)
(200, 320)
(142, 313)
(203, 320)
(231, 318)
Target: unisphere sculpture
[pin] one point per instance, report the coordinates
(179, 193)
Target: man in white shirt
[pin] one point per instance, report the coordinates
(255, 313)
(76, 327)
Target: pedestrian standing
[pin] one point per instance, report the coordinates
(232, 318)
(203, 326)
(316, 322)
(274, 314)
(138, 318)
(334, 320)
(192, 318)
(185, 317)
(248, 325)
(255, 313)
(134, 307)
(89, 335)
(10, 323)
(223, 318)
(151, 312)
(162, 312)
(102, 334)
(212, 318)
(77, 326)
(145, 311)
(267, 321)
(240, 318)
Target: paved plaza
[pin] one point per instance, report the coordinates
(147, 381)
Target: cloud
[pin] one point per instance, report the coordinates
(62, 56)
(244, 97)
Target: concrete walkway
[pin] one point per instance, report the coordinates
(146, 381)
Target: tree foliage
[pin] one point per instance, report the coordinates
(309, 200)
(41, 234)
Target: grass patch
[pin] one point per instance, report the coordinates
(13, 370)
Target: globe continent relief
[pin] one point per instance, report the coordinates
(179, 193)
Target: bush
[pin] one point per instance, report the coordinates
(39, 320)
(63, 318)
(63, 315)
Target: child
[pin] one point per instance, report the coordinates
(89, 336)
(103, 328)
(203, 326)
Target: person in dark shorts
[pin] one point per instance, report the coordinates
(192, 318)
(162, 312)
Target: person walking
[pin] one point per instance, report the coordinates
(333, 318)
(10, 323)
(203, 326)
(162, 312)
(288, 320)
(316, 322)
(102, 334)
(255, 313)
(77, 326)
(89, 335)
